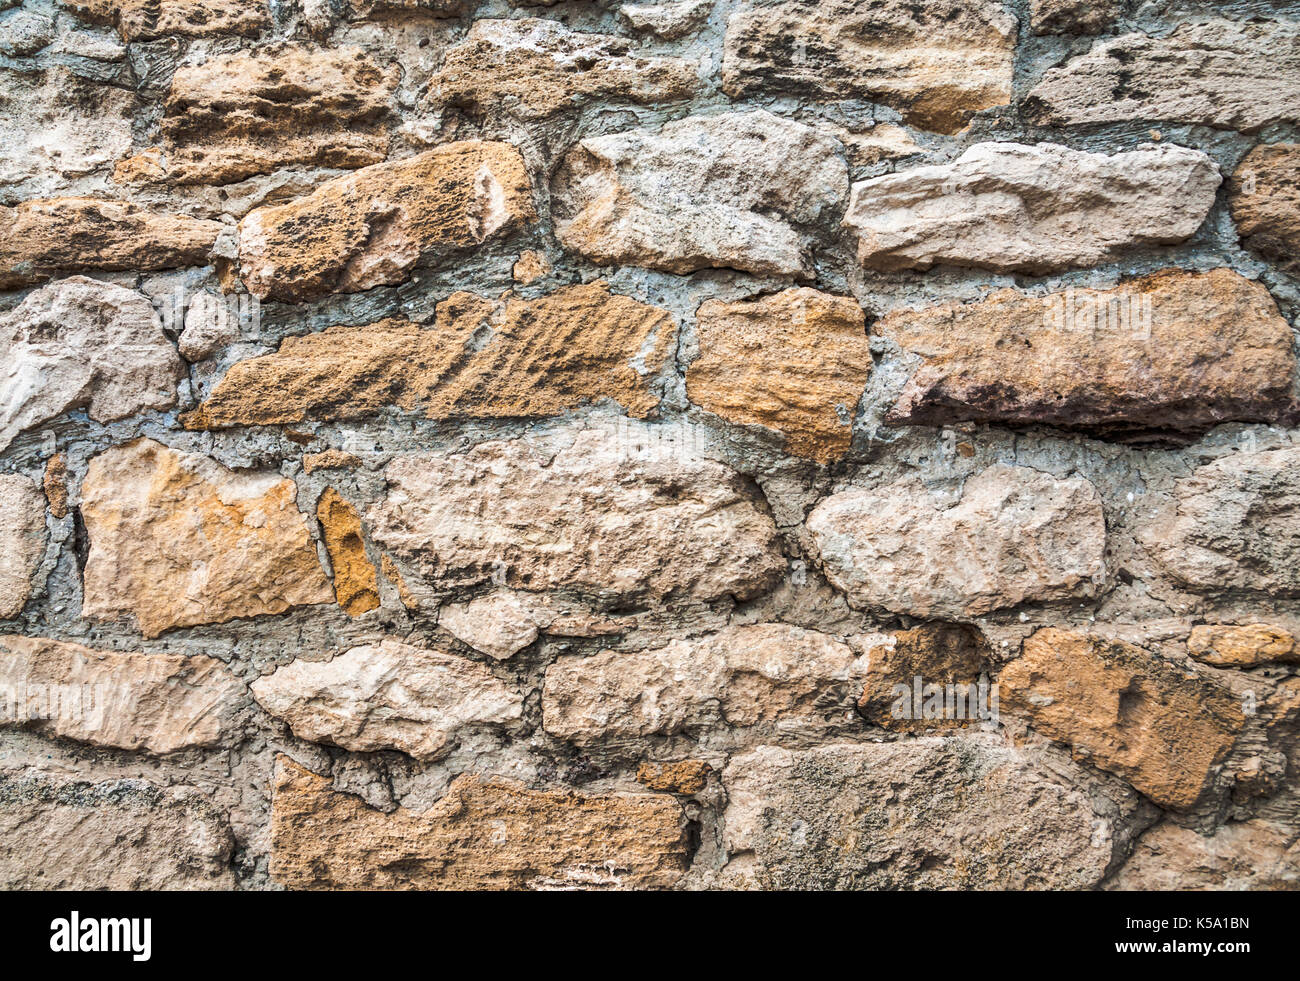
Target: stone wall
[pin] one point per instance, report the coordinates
(528, 445)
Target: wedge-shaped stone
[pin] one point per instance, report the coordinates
(940, 668)
(1250, 855)
(148, 20)
(938, 61)
(927, 813)
(1233, 524)
(1221, 73)
(486, 833)
(481, 358)
(726, 191)
(371, 228)
(1036, 209)
(249, 113)
(1175, 350)
(80, 343)
(769, 673)
(388, 695)
(1016, 536)
(535, 68)
(44, 238)
(1264, 195)
(22, 545)
(356, 581)
(158, 703)
(796, 362)
(177, 540)
(127, 835)
(590, 518)
(1162, 727)
(1246, 646)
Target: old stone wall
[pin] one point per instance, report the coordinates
(595, 444)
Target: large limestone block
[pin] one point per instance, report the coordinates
(1015, 536)
(486, 833)
(155, 702)
(480, 358)
(177, 540)
(388, 695)
(1221, 73)
(927, 813)
(1174, 350)
(79, 343)
(536, 68)
(1249, 855)
(705, 192)
(938, 61)
(1160, 726)
(44, 238)
(798, 680)
(1233, 524)
(1008, 207)
(372, 227)
(246, 113)
(57, 833)
(796, 362)
(590, 518)
(1264, 196)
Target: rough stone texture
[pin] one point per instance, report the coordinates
(1220, 73)
(79, 343)
(486, 833)
(60, 129)
(1249, 855)
(1232, 525)
(595, 521)
(1245, 646)
(210, 325)
(388, 695)
(146, 20)
(1175, 350)
(372, 227)
(1162, 727)
(158, 703)
(929, 813)
(1016, 535)
(480, 358)
(796, 362)
(1264, 195)
(768, 673)
(55, 484)
(329, 460)
(937, 62)
(246, 113)
(545, 350)
(356, 582)
(1074, 16)
(535, 68)
(1008, 207)
(684, 777)
(178, 540)
(22, 516)
(500, 624)
(669, 20)
(119, 834)
(44, 238)
(937, 653)
(724, 191)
